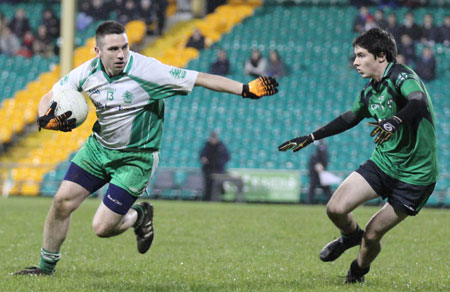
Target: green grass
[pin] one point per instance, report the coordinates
(221, 247)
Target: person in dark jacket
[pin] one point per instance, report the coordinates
(426, 65)
(214, 156)
(222, 65)
(318, 162)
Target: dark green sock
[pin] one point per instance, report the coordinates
(140, 211)
(49, 260)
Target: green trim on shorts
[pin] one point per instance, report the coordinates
(130, 170)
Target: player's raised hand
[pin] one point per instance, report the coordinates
(260, 87)
(59, 123)
(384, 129)
(296, 144)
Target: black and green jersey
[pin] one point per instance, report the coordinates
(410, 155)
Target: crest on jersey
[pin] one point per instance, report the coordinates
(128, 97)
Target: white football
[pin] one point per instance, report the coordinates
(71, 100)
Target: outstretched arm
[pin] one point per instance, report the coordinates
(218, 83)
(342, 123)
(257, 88)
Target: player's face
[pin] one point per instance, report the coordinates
(113, 52)
(366, 64)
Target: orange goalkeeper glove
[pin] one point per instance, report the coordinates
(260, 87)
(59, 123)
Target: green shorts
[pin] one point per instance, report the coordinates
(130, 170)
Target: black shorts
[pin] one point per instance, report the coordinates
(403, 197)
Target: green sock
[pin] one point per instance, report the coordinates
(140, 211)
(49, 260)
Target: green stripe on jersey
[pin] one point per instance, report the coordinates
(147, 129)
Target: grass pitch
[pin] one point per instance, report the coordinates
(221, 247)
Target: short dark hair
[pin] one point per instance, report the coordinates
(108, 27)
(377, 41)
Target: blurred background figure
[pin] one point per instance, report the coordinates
(51, 22)
(213, 157)
(83, 18)
(26, 49)
(99, 10)
(256, 65)
(318, 162)
(393, 26)
(20, 24)
(379, 19)
(129, 13)
(147, 13)
(426, 65)
(445, 31)
(407, 49)
(276, 67)
(410, 28)
(360, 19)
(430, 33)
(197, 40)
(9, 42)
(43, 45)
(161, 8)
(222, 65)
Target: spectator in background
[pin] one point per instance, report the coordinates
(129, 13)
(426, 65)
(116, 7)
(27, 46)
(161, 9)
(256, 65)
(43, 45)
(222, 65)
(370, 23)
(51, 22)
(83, 19)
(98, 10)
(147, 11)
(360, 20)
(276, 67)
(393, 27)
(430, 33)
(20, 24)
(410, 27)
(214, 156)
(445, 31)
(9, 42)
(318, 162)
(197, 40)
(379, 19)
(407, 49)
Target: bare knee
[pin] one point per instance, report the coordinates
(63, 206)
(336, 210)
(102, 229)
(372, 236)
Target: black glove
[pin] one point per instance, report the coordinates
(296, 143)
(385, 129)
(59, 123)
(260, 87)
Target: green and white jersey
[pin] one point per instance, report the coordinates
(129, 106)
(410, 155)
